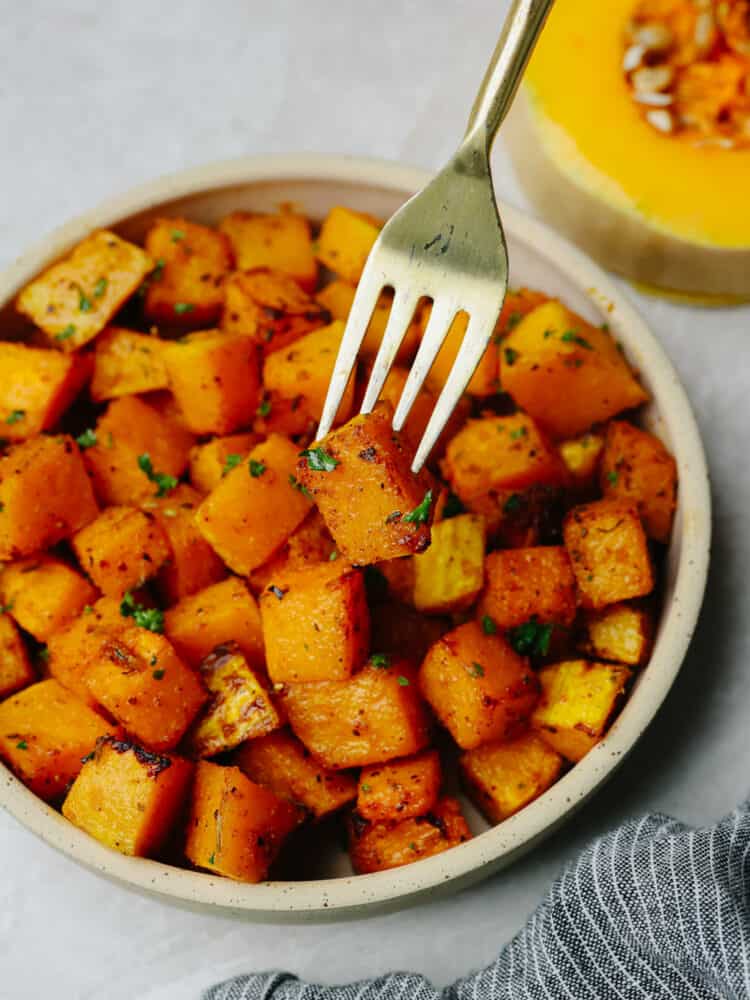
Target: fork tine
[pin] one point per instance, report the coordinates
(443, 311)
(402, 313)
(478, 334)
(365, 299)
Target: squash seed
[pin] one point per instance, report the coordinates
(649, 79)
(660, 119)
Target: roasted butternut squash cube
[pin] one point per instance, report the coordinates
(399, 789)
(236, 828)
(192, 564)
(581, 456)
(529, 583)
(140, 680)
(484, 381)
(450, 574)
(636, 467)
(288, 417)
(73, 649)
(255, 508)
(240, 707)
(282, 764)
(316, 624)
(361, 480)
(578, 700)
(44, 594)
(76, 298)
(36, 387)
(338, 297)
(566, 373)
(478, 687)
(44, 732)
(281, 242)
(502, 778)
(308, 545)
(127, 797)
(16, 671)
(609, 552)
(519, 302)
(192, 261)
(127, 431)
(215, 379)
(501, 453)
(212, 460)
(224, 612)
(303, 371)
(270, 307)
(121, 549)
(45, 495)
(375, 847)
(127, 362)
(620, 632)
(374, 716)
(345, 240)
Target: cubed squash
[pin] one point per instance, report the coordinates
(578, 700)
(288, 417)
(566, 373)
(374, 716)
(303, 371)
(224, 612)
(361, 480)
(240, 707)
(620, 632)
(16, 671)
(281, 242)
(127, 431)
(212, 460)
(76, 298)
(127, 362)
(375, 847)
(399, 789)
(450, 574)
(192, 564)
(581, 456)
(236, 827)
(270, 307)
(128, 797)
(72, 649)
(121, 549)
(36, 387)
(636, 467)
(502, 778)
(215, 378)
(609, 552)
(478, 687)
(501, 453)
(308, 545)
(484, 381)
(519, 302)
(192, 261)
(529, 583)
(44, 594)
(45, 495)
(140, 680)
(44, 732)
(282, 764)
(338, 297)
(255, 508)
(345, 240)
(316, 624)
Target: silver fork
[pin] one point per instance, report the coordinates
(447, 244)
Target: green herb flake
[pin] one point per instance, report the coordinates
(177, 235)
(510, 356)
(612, 476)
(2, 507)
(15, 416)
(88, 609)
(333, 556)
(571, 337)
(518, 433)
(43, 654)
(513, 320)
(548, 333)
(100, 288)
(5, 608)
(212, 859)
(230, 462)
(403, 682)
(488, 625)
(413, 847)
(531, 639)
(158, 674)
(256, 468)
(265, 408)
(66, 333)
(319, 460)
(87, 439)
(183, 307)
(162, 480)
(476, 670)
(513, 504)
(22, 745)
(381, 661)
(605, 327)
(421, 513)
(297, 485)
(84, 302)
(452, 507)
(365, 788)
(151, 619)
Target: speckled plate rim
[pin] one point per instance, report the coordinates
(688, 567)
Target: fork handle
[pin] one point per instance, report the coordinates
(522, 26)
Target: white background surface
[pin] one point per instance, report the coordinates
(97, 95)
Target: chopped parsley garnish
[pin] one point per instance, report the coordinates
(513, 320)
(403, 682)
(2, 507)
(88, 609)
(421, 513)
(158, 674)
(380, 660)
(452, 507)
(183, 307)
(531, 639)
(100, 288)
(612, 476)
(548, 333)
(510, 356)
(212, 859)
(488, 625)
(4, 608)
(319, 460)
(84, 302)
(513, 504)
(476, 669)
(148, 618)
(15, 416)
(571, 337)
(518, 433)
(43, 654)
(297, 485)
(265, 408)
(177, 235)
(365, 788)
(67, 332)
(256, 468)
(231, 462)
(87, 439)
(22, 745)
(158, 270)
(162, 480)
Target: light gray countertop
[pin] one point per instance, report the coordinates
(96, 96)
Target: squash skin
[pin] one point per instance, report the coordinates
(662, 218)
